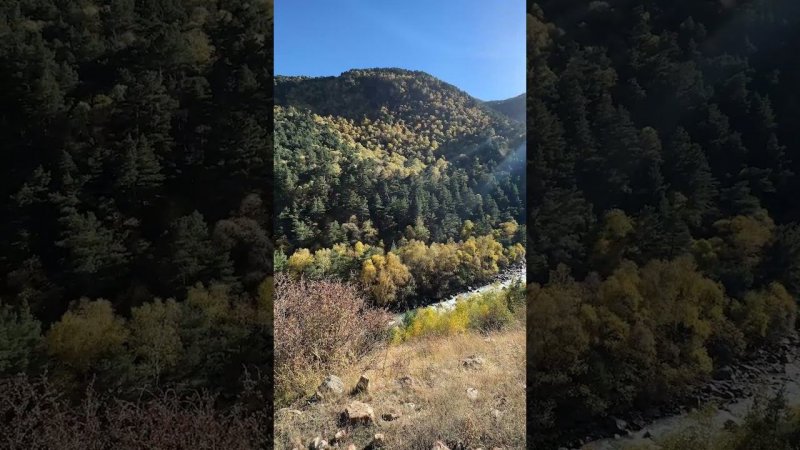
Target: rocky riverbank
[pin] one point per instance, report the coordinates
(731, 390)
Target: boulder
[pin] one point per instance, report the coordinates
(619, 424)
(723, 373)
(358, 413)
(362, 387)
(331, 387)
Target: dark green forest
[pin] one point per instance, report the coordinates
(663, 234)
(136, 200)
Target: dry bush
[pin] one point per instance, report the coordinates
(320, 326)
(34, 415)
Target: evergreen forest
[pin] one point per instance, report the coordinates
(663, 236)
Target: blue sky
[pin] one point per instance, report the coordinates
(476, 45)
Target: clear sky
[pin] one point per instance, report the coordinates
(476, 45)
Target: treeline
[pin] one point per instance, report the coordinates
(661, 176)
(412, 270)
(209, 341)
(400, 155)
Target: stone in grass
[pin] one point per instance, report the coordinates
(331, 387)
(378, 441)
(473, 362)
(318, 443)
(340, 435)
(358, 413)
(362, 387)
(472, 393)
(390, 415)
(439, 445)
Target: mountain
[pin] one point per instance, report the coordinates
(513, 107)
(386, 150)
(397, 180)
(422, 111)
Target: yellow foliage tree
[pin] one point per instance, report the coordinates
(86, 334)
(299, 261)
(385, 276)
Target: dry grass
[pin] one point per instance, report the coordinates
(442, 409)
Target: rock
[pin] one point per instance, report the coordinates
(473, 362)
(351, 447)
(378, 441)
(472, 393)
(497, 414)
(390, 416)
(723, 373)
(340, 435)
(362, 387)
(331, 387)
(318, 443)
(439, 445)
(358, 413)
(619, 424)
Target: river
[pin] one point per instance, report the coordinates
(502, 281)
(761, 378)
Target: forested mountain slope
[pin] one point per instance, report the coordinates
(662, 179)
(514, 107)
(392, 160)
(135, 203)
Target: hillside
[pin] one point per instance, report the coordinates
(136, 203)
(513, 107)
(401, 164)
(420, 393)
(662, 176)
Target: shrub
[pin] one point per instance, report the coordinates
(320, 325)
(483, 312)
(161, 420)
